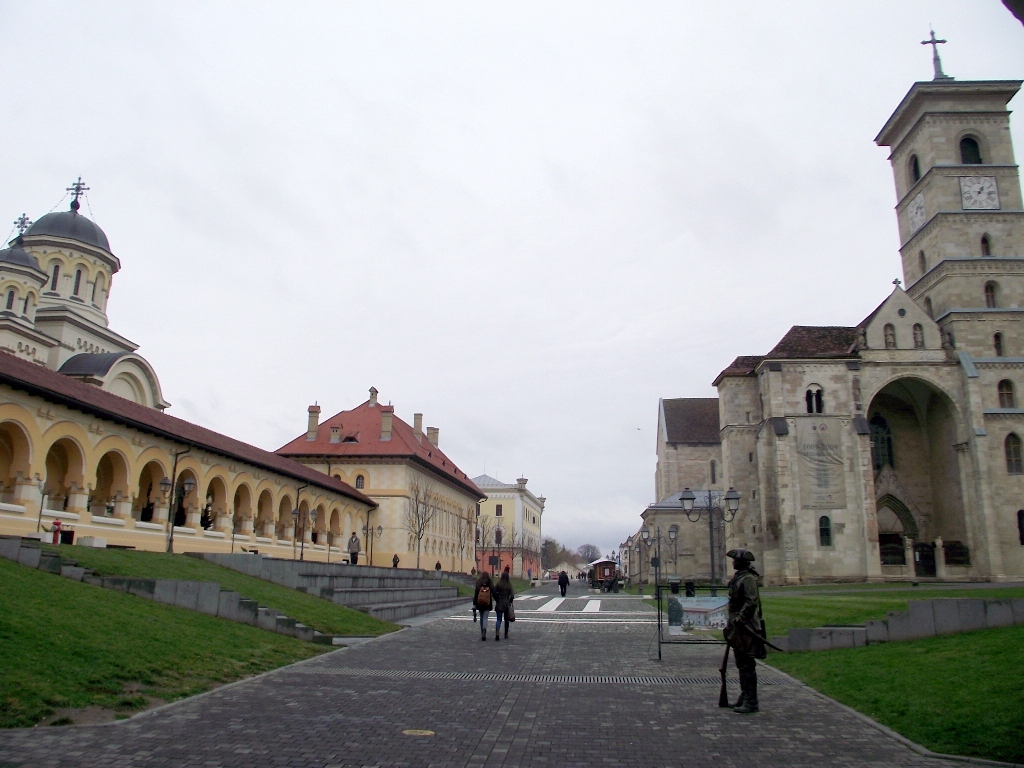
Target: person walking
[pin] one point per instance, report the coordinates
(563, 582)
(744, 631)
(353, 549)
(483, 600)
(503, 597)
(394, 561)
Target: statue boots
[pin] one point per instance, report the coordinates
(748, 698)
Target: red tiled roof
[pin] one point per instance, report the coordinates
(363, 422)
(58, 388)
(816, 341)
(744, 365)
(691, 420)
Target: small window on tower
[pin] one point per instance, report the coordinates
(1006, 399)
(991, 294)
(824, 531)
(986, 246)
(815, 399)
(1014, 466)
(915, 170)
(10, 299)
(56, 276)
(78, 281)
(918, 336)
(997, 342)
(714, 473)
(970, 152)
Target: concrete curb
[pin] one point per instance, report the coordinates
(913, 745)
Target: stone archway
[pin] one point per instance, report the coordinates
(915, 427)
(65, 480)
(216, 505)
(148, 494)
(285, 524)
(265, 514)
(15, 460)
(111, 488)
(241, 510)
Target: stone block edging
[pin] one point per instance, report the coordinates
(200, 596)
(923, 618)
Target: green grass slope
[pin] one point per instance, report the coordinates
(958, 694)
(67, 644)
(312, 611)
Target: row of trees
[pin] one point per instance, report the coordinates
(552, 553)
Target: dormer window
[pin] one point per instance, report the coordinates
(970, 152)
(56, 277)
(915, 170)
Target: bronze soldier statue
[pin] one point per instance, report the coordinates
(744, 631)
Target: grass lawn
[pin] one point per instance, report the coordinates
(64, 644)
(784, 611)
(959, 694)
(312, 611)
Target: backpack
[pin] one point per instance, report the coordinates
(483, 597)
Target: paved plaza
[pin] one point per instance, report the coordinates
(577, 684)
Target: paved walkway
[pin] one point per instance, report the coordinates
(572, 687)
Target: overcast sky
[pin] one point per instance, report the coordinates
(527, 221)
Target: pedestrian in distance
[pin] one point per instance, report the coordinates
(353, 549)
(483, 600)
(437, 566)
(744, 631)
(394, 561)
(503, 597)
(563, 582)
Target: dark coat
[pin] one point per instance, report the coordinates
(484, 581)
(503, 595)
(563, 579)
(745, 610)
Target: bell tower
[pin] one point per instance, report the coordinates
(959, 207)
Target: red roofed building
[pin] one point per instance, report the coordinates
(426, 505)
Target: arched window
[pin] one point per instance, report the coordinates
(986, 246)
(928, 307)
(360, 482)
(78, 281)
(1013, 461)
(915, 170)
(24, 307)
(970, 152)
(991, 294)
(890, 336)
(1020, 525)
(997, 342)
(815, 399)
(56, 276)
(824, 531)
(1006, 394)
(881, 443)
(922, 262)
(918, 336)
(10, 299)
(714, 473)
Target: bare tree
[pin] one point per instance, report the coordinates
(484, 527)
(462, 527)
(420, 513)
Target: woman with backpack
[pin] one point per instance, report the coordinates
(483, 600)
(503, 601)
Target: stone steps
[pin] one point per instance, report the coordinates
(391, 594)
(200, 596)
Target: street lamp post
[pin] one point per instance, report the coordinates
(295, 527)
(727, 515)
(312, 523)
(645, 533)
(673, 532)
(176, 495)
(370, 532)
(41, 485)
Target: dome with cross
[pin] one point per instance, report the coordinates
(70, 225)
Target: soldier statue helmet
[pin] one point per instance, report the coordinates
(740, 556)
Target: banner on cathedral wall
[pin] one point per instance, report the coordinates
(820, 463)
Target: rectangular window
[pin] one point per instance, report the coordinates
(497, 510)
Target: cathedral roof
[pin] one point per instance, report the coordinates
(70, 225)
(90, 363)
(816, 341)
(691, 420)
(18, 256)
(57, 388)
(359, 436)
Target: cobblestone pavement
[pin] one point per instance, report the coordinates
(570, 692)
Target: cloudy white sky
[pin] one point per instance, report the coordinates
(528, 221)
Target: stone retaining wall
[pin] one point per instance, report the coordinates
(923, 618)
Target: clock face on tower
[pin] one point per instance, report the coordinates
(915, 212)
(979, 193)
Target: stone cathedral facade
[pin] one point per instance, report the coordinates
(893, 448)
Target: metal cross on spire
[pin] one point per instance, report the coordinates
(77, 189)
(936, 61)
(22, 223)
(897, 282)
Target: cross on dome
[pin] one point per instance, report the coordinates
(77, 189)
(23, 222)
(897, 282)
(936, 61)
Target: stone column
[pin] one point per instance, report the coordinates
(908, 554)
(122, 507)
(78, 499)
(940, 559)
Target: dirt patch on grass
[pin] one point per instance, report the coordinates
(95, 715)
